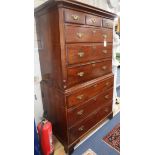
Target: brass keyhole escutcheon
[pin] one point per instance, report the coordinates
(93, 20)
(80, 97)
(75, 17)
(79, 34)
(80, 54)
(80, 74)
(80, 112)
(104, 36)
(81, 128)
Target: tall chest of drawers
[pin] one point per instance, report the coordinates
(75, 49)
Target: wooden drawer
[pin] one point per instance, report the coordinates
(78, 113)
(88, 92)
(82, 127)
(86, 72)
(93, 20)
(72, 16)
(88, 52)
(107, 23)
(87, 34)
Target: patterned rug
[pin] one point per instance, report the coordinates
(113, 138)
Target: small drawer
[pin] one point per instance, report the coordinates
(84, 126)
(90, 91)
(78, 34)
(72, 16)
(107, 23)
(83, 73)
(84, 53)
(93, 20)
(78, 113)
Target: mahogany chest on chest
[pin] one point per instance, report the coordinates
(75, 44)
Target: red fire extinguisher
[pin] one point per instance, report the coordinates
(45, 137)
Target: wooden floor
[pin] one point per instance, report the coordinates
(58, 147)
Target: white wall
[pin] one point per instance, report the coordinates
(38, 109)
(98, 3)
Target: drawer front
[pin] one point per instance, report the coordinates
(93, 20)
(74, 17)
(84, 53)
(80, 112)
(107, 23)
(82, 127)
(87, 93)
(83, 73)
(86, 34)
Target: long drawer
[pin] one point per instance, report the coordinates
(88, 92)
(78, 113)
(85, 125)
(83, 53)
(83, 73)
(88, 34)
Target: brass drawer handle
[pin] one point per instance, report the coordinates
(93, 20)
(107, 83)
(75, 17)
(80, 35)
(81, 128)
(106, 97)
(104, 67)
(80, 74)
(80, 112)
(80, 97)
(81, 54)
(104, 36)
(104, 51)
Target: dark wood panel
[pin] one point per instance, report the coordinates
(76, 114)
(79, 53)
(87, 34)
(54, 103)
(49, 40)
(90, 91)
(83, 73)
(82, 127)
